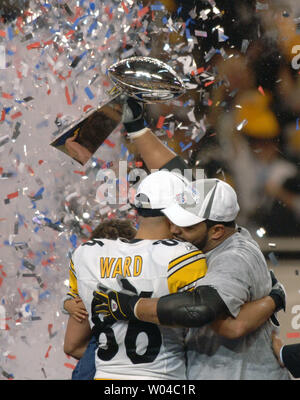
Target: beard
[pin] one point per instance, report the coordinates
(199, 243)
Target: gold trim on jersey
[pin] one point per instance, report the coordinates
(186, 256)
(184, 274)
(72, 281)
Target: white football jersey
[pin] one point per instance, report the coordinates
(136, 350)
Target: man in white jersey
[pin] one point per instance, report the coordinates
(154, 265)
(237, 274)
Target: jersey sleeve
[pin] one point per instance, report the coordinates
(73, 290)
(185, 271)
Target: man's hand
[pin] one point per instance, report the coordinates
(278, 295)
(77, 151)
(119, 305)
(277, 344)
(76, 309)
(133, 117)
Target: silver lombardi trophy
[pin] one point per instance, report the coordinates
(146, 79)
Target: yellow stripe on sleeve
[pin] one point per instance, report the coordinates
(178, 260)
(185, 277)
(72, 281)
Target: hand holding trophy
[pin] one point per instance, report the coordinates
(144, 78)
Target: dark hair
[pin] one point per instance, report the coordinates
(149, 212)
(113, 229)
(210, 223)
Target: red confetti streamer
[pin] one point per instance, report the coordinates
(35, 45)
(125, 7)
(160, 122)
(47, 353)
(68, 365)
(124, 41)
(70, 33)
(79, 172)
(143, 11)
(41, 162)
(2, 115)
(20, 293)
(261, 90)
(87, 107)
(69, 101)
(13, 195)
(109, 143)
(50, 326)
(107, 10)
(198, 71)
(7, 95)
(47, 42)
(20, 24)
(16, 115)
(11, 357)
(209, 83)
(169, 133)
(1, 280)
(293, 335)
(87, 227)
(30, 170)
(78, 13)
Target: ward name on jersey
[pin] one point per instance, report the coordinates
(136, 350)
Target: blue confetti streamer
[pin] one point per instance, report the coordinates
(185, 147)
(44, 294)
(10, 33)
(92, 27)
(108, 33)
(157, 7)
(89, 93)
(73, 240)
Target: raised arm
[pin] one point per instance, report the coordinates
(154, 153)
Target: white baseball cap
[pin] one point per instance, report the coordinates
(159, 189)
(203, 199)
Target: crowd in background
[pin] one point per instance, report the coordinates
(251, 112)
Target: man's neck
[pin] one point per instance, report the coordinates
(152, 235)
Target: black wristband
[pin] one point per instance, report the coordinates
(279, 303)
(134, 126)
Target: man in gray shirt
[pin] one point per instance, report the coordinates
(237, 273)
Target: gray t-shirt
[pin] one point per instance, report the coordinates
(238, 270)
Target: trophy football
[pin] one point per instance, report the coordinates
(144, 78)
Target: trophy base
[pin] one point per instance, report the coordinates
(81, 139)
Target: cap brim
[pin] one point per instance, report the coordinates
(180, 217)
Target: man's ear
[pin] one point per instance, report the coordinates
(217, 232)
